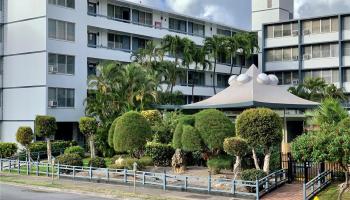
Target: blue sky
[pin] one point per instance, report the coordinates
(238, 12)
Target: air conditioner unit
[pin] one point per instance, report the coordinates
(53, 69)
(295, 82)
(52, 103)
(295, 58)
(306, 32)
(295, 33)
(307, 57)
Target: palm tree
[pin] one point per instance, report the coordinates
(248, 45)
(232, 46)
(215, 45)
(145, 56)
(174, 46)
(331, 91)
(199, 58)
(299, 91)
(315, 87)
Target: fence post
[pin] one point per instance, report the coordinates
(233, 189)
(304, 191)
(47, 169)
(186, 182)
(90, 173)
(37, 168)
(19, 167)
(164, 180)
(28, 163)
(0, 164)
(306, 172)
(73, 172)
(257, 189)
(125, 176)
(209, 182)
(290, 168)
(58, 170)
(322, 169)
(107, 174)
(143, 178)
(9, 166)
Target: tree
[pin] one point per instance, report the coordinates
(232, 45)
(260, 127)
(24, 136)
(131, 133)
(190, 139)
(248, 45)
(88, 126)
(214, 126)
(111, 133)
(214, 45)
(199, 58)
(238, 147)
(45, 126)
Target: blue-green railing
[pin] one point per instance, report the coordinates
(314, 186)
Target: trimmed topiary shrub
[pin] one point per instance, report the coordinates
(216, 164)
(111, 133)
(152, 116)
(97, 162)
(72, 159)
(45, 126)
(214, 126)
(88, 126)
(75, 149)
(131, 132)
(7, 149)
(236, 146)
(190, 139)
(161, 154)
(177, 137)
(24, 135)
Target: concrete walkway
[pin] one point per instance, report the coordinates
(286, 192)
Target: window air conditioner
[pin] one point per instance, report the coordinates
(52, 103)
(295, 58)
(306, 32)
(295, 33)
(53, 69)
(307, 57)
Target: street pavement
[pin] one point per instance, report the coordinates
(11, 192)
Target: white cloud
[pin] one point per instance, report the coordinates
(309, 8)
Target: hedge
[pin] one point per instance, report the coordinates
(128, 163)
(75, 149)
(252, 174)
(216, 164)
(97, 162)
(56, 146)
(161, 154)
(70, 159)
(7, 149)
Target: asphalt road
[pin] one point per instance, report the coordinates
(10, 192)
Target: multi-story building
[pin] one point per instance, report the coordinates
(49, 47)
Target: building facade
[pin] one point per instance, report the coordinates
(47, 54)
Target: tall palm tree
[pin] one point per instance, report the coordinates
(232, 46)
(315, 87)
(145, 56)
(248, 45)
(215, 45)
(174, 46)
(199, 58)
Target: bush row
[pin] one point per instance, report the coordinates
(7, 149)
(161, 154)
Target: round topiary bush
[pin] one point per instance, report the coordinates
(72, 159)
(236, 146)
(24, 135)
(214, 126)
(97, 162)
(76, 150)
(190, 139)
(111, 132)
(131, 132)
(177, 137)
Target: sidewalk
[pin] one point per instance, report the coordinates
(102, 189)
(286, 192)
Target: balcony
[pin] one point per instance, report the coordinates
(320, 37)
(315, 63)
(282, 65)
(281, 41)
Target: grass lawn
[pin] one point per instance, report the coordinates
(331, 193)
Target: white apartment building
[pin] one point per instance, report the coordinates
(49, 47)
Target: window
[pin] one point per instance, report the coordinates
(63, 64)
(334, 24)
(223, 58)
(295, 29)
(329, 75)
(287, 54)
(307, 27)
(198, 78)
(295, 53)
(143, 18)
(334, 50)
(287, 30)
(269, 3)
(321, 51)
(277, 55)
(223, 32)
(65, 3)
(316, 26)
(283, 54)
(269, 31)
(1, 7)
(325, 25)
(346, 23)
(347, 49)
(222, 80)
(178, 25)
(138, 43)
(307, 51)
(269, 55)
(63, 97)
(196, 29)
(61, 30)
(116, 41)
(316, 51)
(278, 31)
(346, 75)
(118, 12)
(287, 78)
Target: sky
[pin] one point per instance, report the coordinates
(237, 13)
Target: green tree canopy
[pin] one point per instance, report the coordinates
(24, 135)
(191, 139)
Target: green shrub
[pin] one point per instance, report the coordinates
(70, 159)
(97, 162)
(128, 163)
(24, 135)
(75, 149)
(252, 174)
(344, 124)
(190, 139)
(111, 133)
(152, 116)
(45, 126)
(216, 164)
(131, 132)
(164, 129)
(177, 137)
(88, 125)
(57, 147)
(236, 146)
(161, 154)
(214, 126)
(7, 149)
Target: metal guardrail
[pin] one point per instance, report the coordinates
(221, 186)
(314, 186)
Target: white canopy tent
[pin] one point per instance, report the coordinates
(253, 90)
